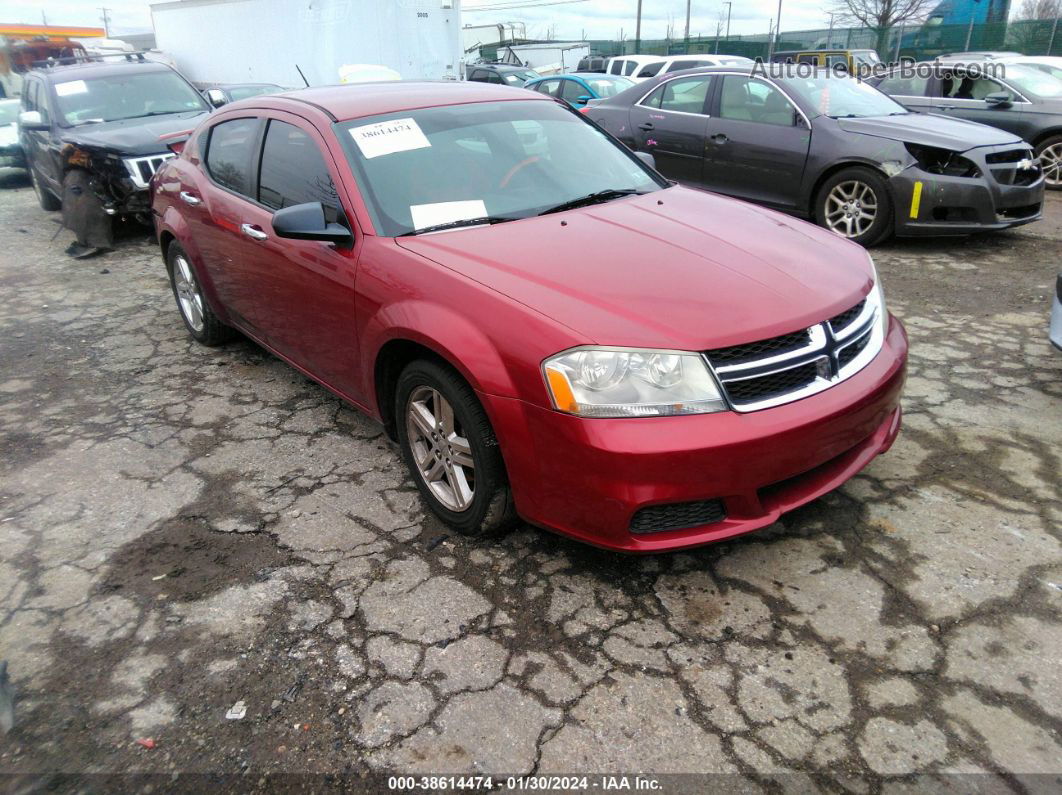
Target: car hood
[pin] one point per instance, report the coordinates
(8, 135)
(926, 129)
(133, 137)
(679, 268)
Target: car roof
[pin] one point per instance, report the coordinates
(356, 100)
(93, 69)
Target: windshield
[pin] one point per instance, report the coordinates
(1033, 81)
(519, 78)
(842, 97)
(8, 111)
(125, 96)
(608, 86)
(509, 160)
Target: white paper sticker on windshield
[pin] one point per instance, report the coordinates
(71, 87)
(425, 215)
(388, 137)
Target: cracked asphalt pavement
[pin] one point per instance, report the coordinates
(184, 528)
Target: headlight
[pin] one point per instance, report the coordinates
(878, 295)
(943, 161)
(625, 382)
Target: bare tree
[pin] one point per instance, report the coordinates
(881, 15)
(1040, 9)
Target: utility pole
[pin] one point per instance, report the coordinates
(729, 8)
(829, 37)
(969, 30)
(106, 22)
(777, 30)
(638, 30)
(688, 25)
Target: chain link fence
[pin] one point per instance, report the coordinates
(921, 42)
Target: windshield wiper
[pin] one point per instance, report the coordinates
(153, 113)
(598, 197)
(486, 220)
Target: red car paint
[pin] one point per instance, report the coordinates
(675, 269)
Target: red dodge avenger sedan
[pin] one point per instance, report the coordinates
(547, 327)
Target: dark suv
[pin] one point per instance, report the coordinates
(1018, 99)
(95, 132)
(500, 73)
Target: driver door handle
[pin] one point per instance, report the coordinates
(646, 127)
(253, 232)
(719, 139)
(190, 198)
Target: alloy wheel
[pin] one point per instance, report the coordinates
(189, 298)
(1051, 162)
(851, 208)
(443, 456)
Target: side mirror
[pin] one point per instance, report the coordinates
(646, 158)
(583, 99)
(31, 120)
(216, 97)
(1001, 99)
(307, 222)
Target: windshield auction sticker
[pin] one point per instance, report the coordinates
(388, 137)
(425, 215)
(70, 88)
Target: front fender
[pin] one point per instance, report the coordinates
(445, 332)
(173, 223)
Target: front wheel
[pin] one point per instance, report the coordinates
(855, 203)
(47, 200)
(450, 448)
(1050, 154)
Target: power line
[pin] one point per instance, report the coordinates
(506, 5)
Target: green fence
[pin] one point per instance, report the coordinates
(921, 42)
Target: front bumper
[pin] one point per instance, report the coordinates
(931, 204)
(588, 478)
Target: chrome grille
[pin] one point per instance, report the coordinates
(792, 366)
(142, 169)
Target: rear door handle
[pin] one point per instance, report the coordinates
(190, 198)
(253, 232)
(646, 127)
(719, 139)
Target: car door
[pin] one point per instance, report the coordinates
(757, 143)
(305, 297)
(963, 96)
(41, 153)
(670, 124)
(215, 210)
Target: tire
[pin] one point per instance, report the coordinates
(47, 200)
(1050, 153)
(854, 188)
(466, 435)
(192, 303)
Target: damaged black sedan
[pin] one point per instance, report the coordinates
(94, 133)
(826, 146)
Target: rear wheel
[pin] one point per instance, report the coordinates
(1050, 154)
(855, 203)
(450, 448)
(199, 318)
(48, 200)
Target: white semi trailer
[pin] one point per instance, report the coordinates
(269, 41)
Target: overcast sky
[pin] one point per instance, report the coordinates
(597, 19)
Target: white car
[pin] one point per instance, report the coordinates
(642, 67)
(1052, 64)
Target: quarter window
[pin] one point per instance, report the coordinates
(230, 152)
(293, 171)
(550, 87)
(744, 99)
(651, 69)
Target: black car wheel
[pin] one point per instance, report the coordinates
(48, 200)
(856, 204)
(450, 448)
(198, 317)
(1050, 154)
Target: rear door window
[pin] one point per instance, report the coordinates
(571, 90)
(293, 171)
(629, 67)
(479, 76)
(230, 153)
(550, 87)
